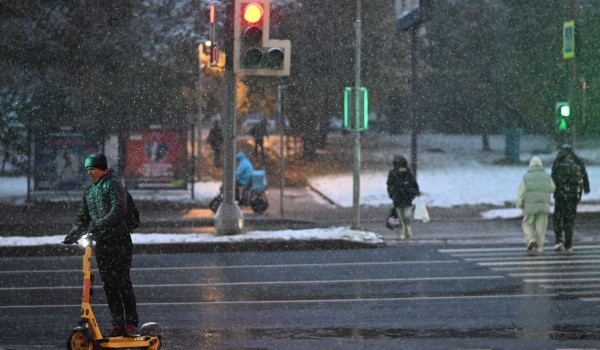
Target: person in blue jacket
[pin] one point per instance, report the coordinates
(243, 176)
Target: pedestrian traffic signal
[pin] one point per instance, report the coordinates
(563, 112)
(350, 118)
(253, 52)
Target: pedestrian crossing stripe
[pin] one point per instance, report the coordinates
(504, 249)
(576, 275)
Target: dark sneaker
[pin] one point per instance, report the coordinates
(531, 246)
(132, 331)
(117, 331)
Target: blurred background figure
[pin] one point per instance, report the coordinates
(215, 140)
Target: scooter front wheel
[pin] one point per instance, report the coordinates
(156, 345)
(215, 203)
(79, 340)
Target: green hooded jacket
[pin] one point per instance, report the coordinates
(103, 210)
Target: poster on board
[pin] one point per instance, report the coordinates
(155, 159)
(59, 159)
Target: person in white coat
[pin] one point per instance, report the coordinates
(533, 197)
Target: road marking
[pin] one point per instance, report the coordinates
(570, 275)
(570, 286)
(224, 267)
(540, 262)
(574, 268)
(219, 284)
(504, 249)
(302, 301)
(528, 258)
(564, 280)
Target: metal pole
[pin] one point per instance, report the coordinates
(193, 172)
(357, 116)
(413, 103)
(280, 104)
(573, 78)
(229, 219)
(30, 161)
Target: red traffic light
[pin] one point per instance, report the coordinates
(252, 13)
(254, 53)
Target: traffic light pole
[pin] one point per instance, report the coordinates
(413, 103)
(229, 219)
(573, 80)
(357, 116)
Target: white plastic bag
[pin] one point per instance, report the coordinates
(421, 210)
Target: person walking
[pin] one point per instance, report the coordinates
(215, 140)
(402, 189)
(571, 179)
(102, 213)
(533, 197)
(258, 132)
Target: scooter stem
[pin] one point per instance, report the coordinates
(87, 315)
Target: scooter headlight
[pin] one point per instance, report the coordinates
(85, 241)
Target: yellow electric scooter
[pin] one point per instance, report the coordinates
(87, 335)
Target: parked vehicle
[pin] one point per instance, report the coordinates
(251, 122)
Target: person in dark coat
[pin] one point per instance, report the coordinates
(258, 132)
(215, 140)
(102, 213)
(571, 179)
(402, 189)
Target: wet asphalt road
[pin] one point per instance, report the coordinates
(405, 297)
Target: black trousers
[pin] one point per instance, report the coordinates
(565, 211)
(114, 263)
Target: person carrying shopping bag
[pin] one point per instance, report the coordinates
(402, 189)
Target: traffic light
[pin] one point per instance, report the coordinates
(253, 52)
(214, 47)
(563, 112)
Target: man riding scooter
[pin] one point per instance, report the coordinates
(250, 187)
(243, 178)
(102, 212)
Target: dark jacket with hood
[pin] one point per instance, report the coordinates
(564, 155)
(103, 210)
(401, 184)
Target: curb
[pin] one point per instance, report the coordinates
(217, 247)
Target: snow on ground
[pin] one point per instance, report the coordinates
(452, 172)
(333, 233)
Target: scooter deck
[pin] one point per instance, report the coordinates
(127, 342)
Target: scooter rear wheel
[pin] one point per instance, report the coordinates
(259, 203)
(79, 340)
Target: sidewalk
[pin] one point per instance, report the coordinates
(303, 209)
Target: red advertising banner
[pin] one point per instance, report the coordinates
(59, 159)
(155, 159)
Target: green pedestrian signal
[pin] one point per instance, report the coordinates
(563, 125)
(563, 112)
(363, 111)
